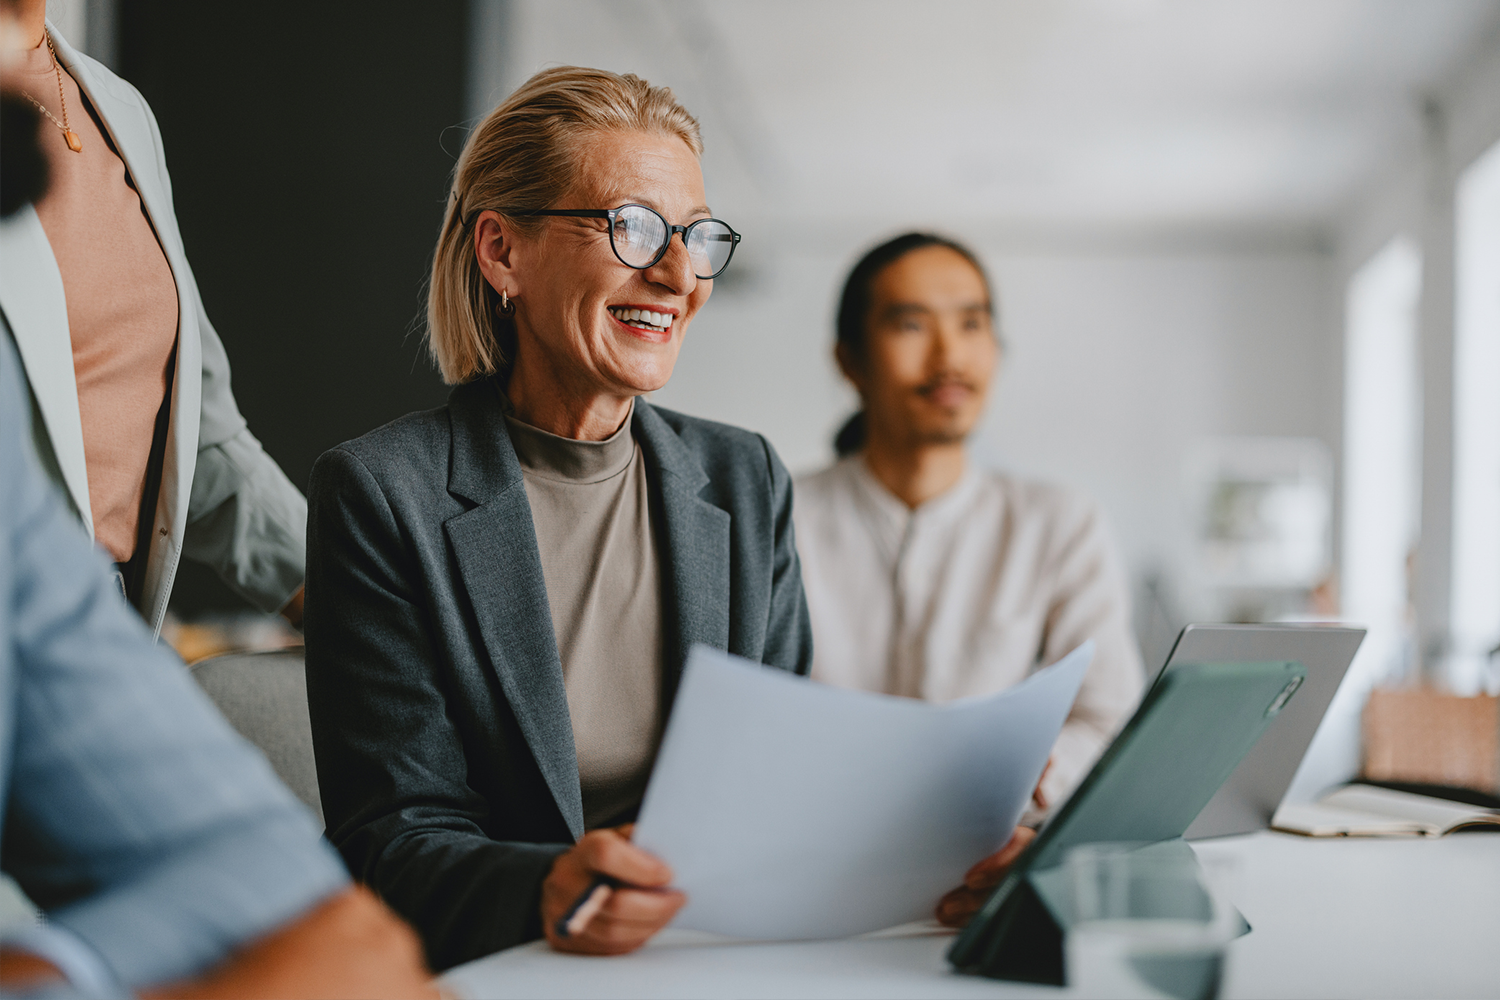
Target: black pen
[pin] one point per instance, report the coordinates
(587, 905)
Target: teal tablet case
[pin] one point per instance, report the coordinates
(1189, 734)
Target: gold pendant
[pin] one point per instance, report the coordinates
(74, 143)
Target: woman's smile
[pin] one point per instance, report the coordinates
(654, 325)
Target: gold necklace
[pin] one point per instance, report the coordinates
(71, 137)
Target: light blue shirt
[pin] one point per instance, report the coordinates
(135, 817)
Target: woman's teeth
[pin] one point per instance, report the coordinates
(645, 319)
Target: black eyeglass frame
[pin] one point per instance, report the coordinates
(610, 213)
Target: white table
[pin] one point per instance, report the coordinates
(1332, 918)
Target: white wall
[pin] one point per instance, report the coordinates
(1120, 362)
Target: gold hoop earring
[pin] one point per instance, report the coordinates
(506, 308)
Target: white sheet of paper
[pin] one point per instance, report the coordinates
(788, 809)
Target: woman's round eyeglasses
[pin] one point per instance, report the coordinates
(639, 236)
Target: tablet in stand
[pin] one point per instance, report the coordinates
(1191, 731)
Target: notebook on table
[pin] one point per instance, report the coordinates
(1367, 811)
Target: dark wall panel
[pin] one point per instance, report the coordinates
(310, 146)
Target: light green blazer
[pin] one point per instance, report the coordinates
(223, 500)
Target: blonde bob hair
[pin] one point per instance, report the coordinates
(525, 154)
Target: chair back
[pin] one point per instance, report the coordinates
(264, 697)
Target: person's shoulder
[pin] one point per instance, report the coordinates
(823, 484)
(98, 73)
(699, 433)
(412, 448)
(123, 107)
(100, 77)
(1039, 499)
(724, 451)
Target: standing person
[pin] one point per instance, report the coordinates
(502, 591)
(160, 846)
(929, 578)
(136, 422)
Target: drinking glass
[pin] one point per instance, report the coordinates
(1146, 924)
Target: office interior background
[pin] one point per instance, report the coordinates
(1247, 256)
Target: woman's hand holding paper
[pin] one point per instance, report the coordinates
(958, 906)
(630, 915)
(955, 909)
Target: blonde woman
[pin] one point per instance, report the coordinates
(502, 591)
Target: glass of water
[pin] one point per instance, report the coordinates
(1146, 924)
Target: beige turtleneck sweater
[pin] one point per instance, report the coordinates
(590, 507)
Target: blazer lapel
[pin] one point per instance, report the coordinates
(31, 295)
(496, 549)
(697, 547)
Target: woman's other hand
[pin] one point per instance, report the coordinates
(958, 906)
(1039, 797)
(632, 913)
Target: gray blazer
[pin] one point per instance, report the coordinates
(223, 500)
(444, 747)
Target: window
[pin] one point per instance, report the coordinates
(1382, 472)
(1382, 497)
(1475, 607)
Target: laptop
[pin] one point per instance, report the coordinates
(1246, 801)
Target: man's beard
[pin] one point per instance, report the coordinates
(958, 426)
(951, 433)
(23, 168)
